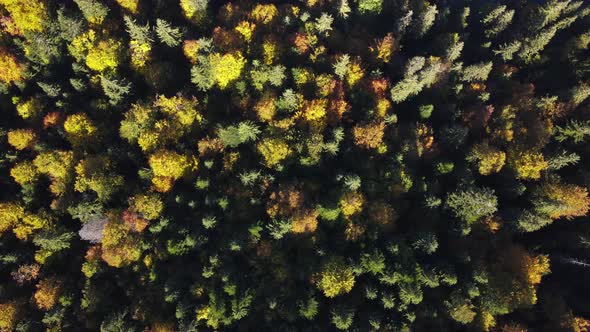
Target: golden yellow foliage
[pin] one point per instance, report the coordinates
(169, 164)
(305, 221)
(273, 150)
(8, 316)
(96, 174)
(315, 110)
(11, 70)
(565, 200)
(150, 206)
(351, 203)
(28, 224)
(162, 184)
(181, 109)
(10, 214)
(264, 13)
(246, 29)
(130, 5)
(369, 136)
(192, 9)
(190, 48)
(80, 128)
(226, 68)
(24, 173)
(384, 48)
(48, 291)
(120, 246)
(140, 53)
(103, 55)
(29, 109)
(269, 50)
(336, 278)
(489, 159)
(22, 139)
(265, 108)
(27, 15)
(354, 74)
(58, 165)
(527, 164)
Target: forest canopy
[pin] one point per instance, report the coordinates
(300, 165)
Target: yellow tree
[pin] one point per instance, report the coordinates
(369, 136)
(335, 277)
(58, 166)
(167, 167)
(27, 15)
(11, 70)
(28, 224)
(226, 68)
(120, 245)
(8, 316)
(48, 291)
(97, 174)
(10, 214)
(80, 129)
(99, 54)
(527, 164)
(274, 151)
(24, 173)
(149, 205)
(22, 139)
(559, 200)
(351, 203)
(489, 159)
(130, 5)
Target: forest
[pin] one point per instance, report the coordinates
(296, 165)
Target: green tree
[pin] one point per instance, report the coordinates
(473, 203)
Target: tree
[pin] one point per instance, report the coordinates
(24, 173)
(130, 5)
(308, 309)
(10, 214)
(574, 130)
(488, 158)
(120, 244)
(342, 318)
(473, 203)
(97, 174)
(27, 16)
(57, 165)
(370, 7)
(22, 139)
(232, 136)
(374, 262)
(226, 68)
(93, 10)
(48, 291)
(557, 200)
(526, 164)
(194, 9)
(167, 167)
(167, 34)
(477, 72)
(150, 205)
(274, 151)
(369, 136)
(8, 316)
(335, 278)
(351, 203)
(80, 129)
(11, 70)
(115, 89)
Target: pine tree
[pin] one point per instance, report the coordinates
(115, 89)
(167, 34)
